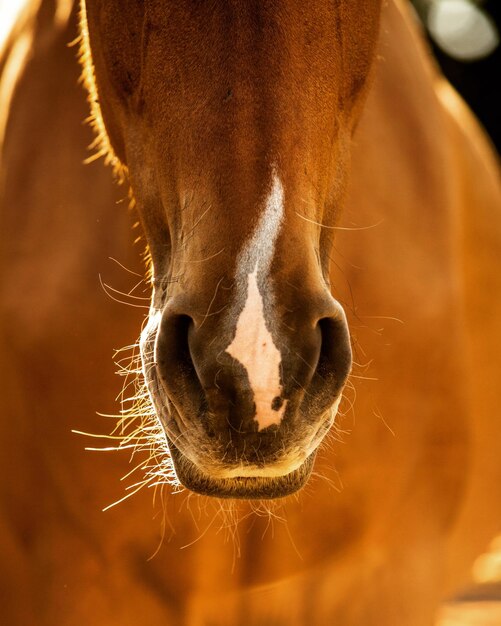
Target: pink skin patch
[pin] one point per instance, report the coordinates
(253, 345)
(254, 348)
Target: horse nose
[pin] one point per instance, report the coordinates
(238, 381)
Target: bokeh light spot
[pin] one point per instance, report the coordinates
(462, 29)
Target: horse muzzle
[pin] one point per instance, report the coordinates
(246, 407)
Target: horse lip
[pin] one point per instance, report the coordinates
(228, 484)
(239, 487)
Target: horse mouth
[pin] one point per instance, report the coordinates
(239, 487)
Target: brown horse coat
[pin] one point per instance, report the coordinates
(411, 496)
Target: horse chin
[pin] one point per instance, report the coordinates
(239, 487)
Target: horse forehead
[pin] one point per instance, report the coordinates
(230, 33)
(207, 79)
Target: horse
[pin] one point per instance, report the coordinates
(319, 361)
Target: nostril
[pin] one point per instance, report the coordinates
(206, 392)
(333, 366)
(335, 351)
(175, 364)
(174, 339)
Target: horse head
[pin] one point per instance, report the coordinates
(233, 122)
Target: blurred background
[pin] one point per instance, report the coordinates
(464, 35)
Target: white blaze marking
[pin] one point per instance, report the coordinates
(253, 347)
(253, 344)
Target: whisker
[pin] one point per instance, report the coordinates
(125, 268)
(355, 228)
(107, 289)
